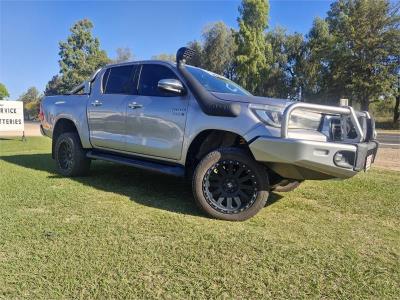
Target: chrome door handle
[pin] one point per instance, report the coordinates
(96, 103)
(135, 105)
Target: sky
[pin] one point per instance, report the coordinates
(31, 30)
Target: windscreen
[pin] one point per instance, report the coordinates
(216, 83)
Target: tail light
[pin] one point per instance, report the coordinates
(41, 114)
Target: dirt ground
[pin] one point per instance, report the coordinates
(387, 158)
(31, 129)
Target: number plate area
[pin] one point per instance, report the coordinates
(368, 161)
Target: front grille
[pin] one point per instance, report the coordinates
(363, 123)
(367, 126)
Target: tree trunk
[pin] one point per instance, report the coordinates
(396, 113)
(365, 105)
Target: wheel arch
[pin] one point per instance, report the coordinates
(211, 139)
(61, 126)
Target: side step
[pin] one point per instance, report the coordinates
(176, 170)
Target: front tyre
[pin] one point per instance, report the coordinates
(230, 185)
(70, 157)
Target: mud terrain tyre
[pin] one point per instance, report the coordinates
(230, 185)
(71, 160)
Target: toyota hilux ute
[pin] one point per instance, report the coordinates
(181, 120)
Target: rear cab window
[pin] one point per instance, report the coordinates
(120, 80)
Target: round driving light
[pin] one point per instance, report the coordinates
(344, 159)
(338, 157)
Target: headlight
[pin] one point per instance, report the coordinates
(269, 114)
(300, 119)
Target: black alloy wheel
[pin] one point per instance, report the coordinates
(65, 155)
(70, 156)
(229, 184)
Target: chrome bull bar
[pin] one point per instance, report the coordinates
(342, 110)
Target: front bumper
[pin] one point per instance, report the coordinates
(303, 159)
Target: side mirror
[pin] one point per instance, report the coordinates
(171, 85)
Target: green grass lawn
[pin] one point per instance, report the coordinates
(122, 233)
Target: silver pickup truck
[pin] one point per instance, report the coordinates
(181, 120)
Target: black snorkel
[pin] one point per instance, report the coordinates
(209, 104)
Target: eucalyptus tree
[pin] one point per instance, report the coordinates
(219, 49)
(253, 53)
(80, 55)
(123, 55)
(3, 92)
(358, 50)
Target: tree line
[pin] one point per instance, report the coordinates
(353, 53)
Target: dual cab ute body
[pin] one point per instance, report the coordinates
(181, 120)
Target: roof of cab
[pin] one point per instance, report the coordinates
(171, 63)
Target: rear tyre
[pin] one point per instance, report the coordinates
(70, 157)
(230, 185)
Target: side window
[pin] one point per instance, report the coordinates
(119, 80)
(149, 78)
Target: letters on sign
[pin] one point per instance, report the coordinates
(11, 116)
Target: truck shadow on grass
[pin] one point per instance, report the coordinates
(143, 187)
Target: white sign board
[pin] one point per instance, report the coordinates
(11, 116)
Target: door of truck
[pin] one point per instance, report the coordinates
(156, 119)
(107, 107)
